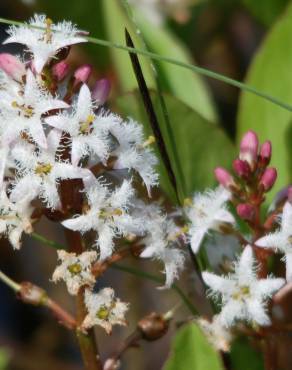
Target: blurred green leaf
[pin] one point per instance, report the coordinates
(190, 350)
(201, 145)
(266, 11)
(271, 72)
(4, 358)
(116, 20)
(189, 88)
(243, 356)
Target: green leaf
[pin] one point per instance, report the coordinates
(189, 88)
(4, 358)
(201, 145)
(266, 11)
(271, 72)
(243, 356)
(190, 350)
(116, 20)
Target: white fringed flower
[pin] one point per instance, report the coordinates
(14, 219)
(45, 42)
(83, 126)
(133, 151)
(217, 335)
(21, 111)
(208, 211)
(40, 172)
(108, 215)
(162, 242)
(104, 310)
(281, 239)
(243, 294)
(75, 270)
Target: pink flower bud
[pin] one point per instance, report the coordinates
(249, 148)
(12, 66)
(223, 177)
(290, 194)
(245, 211)
(60, 70)
(266, 152)
(241, 168)
(269, 177)
(101, 90)
(82, 73)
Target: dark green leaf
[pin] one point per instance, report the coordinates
(244, 356)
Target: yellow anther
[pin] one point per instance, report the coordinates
(115, 212)
(85, 126)
(243, 291)
(14, 104)
(48, 32)
(188, 202)
(180, 232)
(151, 140)
(27, 110)
(103, 313)
(43, 169)
(75, 269)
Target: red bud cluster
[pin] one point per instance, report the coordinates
(251, 177)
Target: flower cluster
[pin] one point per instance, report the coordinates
(54, 128)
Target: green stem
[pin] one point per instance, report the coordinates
(157, 279)
(9, 282)
(46, 241)
(196, 69)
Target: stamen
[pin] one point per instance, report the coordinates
(85, 126)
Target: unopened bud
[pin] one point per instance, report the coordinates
(82, 73)
(153, 326)
(289, 194)
(268, 179)
(241, 168)
(32, 294)
(223, 177)
(266, 152)
(60, 70)
(101, 90)
(245, 211)
(12, 66)
(249, 148)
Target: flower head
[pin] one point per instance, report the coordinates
(14, 219)
(208, 211)
(44, 38)
(162, 242)
(75, 270)
(24, 108)
(86, 134)
(40, 172)
(281, 239)
(107, 214)
(104, 310)
(243, 294)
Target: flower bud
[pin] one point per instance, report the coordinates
(60, 70)
(12, 66)
(268, 179)
(266, 152)
(153, 326)
(101, 90)
(82, 73)
(245, 211)
(223, 177)
(241, 168)
(32, 294)
(249, 148)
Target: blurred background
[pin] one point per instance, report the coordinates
(220, 35)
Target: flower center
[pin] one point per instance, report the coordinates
(43, 169)
(103, 313)
(242, 292)
(104, 213)
(86, 125)
(179, 233)
(26, 110)
(75, 269)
